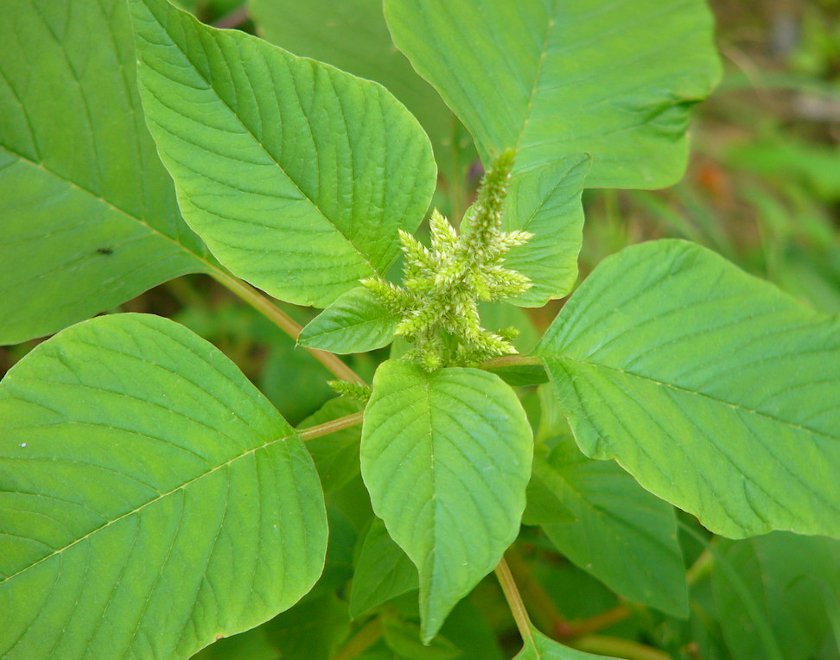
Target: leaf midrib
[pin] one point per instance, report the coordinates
(111, 205)
(148, 503)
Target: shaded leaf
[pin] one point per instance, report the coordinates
(383, 571)
(540, 647)
(620, 533)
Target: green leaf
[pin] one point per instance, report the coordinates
(403, 638)
(297, 175)
(785, 576)
(355, 323)
(383, 571)
(622, 534)
(89, 213)
(353, 36)
(152, 499)
(609, 78)
(546, 501)
(712, 388)
(311, 630)
(253, 645)
(336, 455)
(540, 647)
(446, 457)
(546, 201)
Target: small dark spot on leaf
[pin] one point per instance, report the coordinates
(105, 250)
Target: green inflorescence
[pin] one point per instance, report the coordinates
(442, 285)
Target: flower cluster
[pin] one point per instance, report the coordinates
(442, 285)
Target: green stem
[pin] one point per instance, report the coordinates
(514, 600)
(511, 361)
(332, 426)
(546, 614)
(616, 647)
(361, 641)
(286, 323)
(701, 567)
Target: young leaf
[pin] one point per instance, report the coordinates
(539, 647)
(152, 498)
(383, 571)
(786, 577)
(355, 323)
(89, 213)
(712, 388)
(297, 175)
(621, 534)
(609, 78)
(446, 457)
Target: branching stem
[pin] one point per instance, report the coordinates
(286, 323)
(332, 426)
(514, 600)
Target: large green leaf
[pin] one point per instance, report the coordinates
(620, 533)
(715, 390)
(446, 457)
(297, 175)
(151, 499)
(610, 78)
(89, 218)
(790, 580)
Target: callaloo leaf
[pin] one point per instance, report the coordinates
(89, 213)
(403, 638)
(552, 79)
(675, 363)
(446, 457)
(382, 571)
(355, 323)
(311, 630)
(540, 647)
(151, 499)
(546, 202)
(297, 175)
(620, 533)
(787, 578)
